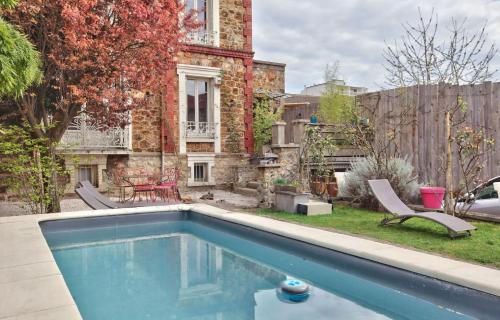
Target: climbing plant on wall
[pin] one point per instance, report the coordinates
(266, 111)
(233, 137)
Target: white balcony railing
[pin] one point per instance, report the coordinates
(202, 37)
(85, 134)
(200, 130)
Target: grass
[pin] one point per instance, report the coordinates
(483, 247)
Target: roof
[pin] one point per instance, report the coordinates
(302, 99)
(270, 63)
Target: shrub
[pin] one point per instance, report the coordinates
(280, 181)
(398, 171)
(31, 170)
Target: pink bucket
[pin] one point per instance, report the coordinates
(432, 197)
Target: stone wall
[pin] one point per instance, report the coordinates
(206, 147)
(268, 76)
(227, 168)
(287, 166)
(232, 24)
(146, 127)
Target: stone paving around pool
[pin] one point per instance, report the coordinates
(223, 199)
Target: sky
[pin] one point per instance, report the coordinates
(309, 34)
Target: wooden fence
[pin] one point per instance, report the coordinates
(423, 138)
(298, 107)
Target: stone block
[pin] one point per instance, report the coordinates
(314, 208)
(288, 201)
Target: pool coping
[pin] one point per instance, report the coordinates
(32, 287)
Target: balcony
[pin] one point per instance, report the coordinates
(200, 130)
(84, 134)
(202, 37)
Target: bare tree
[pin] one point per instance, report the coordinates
(421, 57)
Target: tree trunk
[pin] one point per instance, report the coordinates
(449, 162)
(54, 204)
(36, 156)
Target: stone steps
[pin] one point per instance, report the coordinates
(246, 191)
(253, 185)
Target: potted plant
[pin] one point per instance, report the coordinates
(281, 184)
(332, 186)
(432, 197)
(319, 147)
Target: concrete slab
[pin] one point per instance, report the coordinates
(288, 201)
(34, 295)
(62, 313)
(314, 208)
(28, 271)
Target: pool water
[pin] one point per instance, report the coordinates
(186, 270)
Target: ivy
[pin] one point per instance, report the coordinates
(233, 139)
(264, 115)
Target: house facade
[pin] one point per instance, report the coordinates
(345, 89)
(202, 124)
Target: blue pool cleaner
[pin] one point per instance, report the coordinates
(294, 290)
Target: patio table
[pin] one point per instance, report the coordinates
(145, 184)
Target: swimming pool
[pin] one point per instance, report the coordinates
(185, 265)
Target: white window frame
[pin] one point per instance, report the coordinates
(213, 74)
(94, 173)
(209, 160)
(213, 20)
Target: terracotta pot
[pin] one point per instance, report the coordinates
(322, 187)
(333, 189)
(315, 187)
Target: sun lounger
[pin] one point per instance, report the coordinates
(389, 199)
(89, 199)
(99, 197)
(94, 199)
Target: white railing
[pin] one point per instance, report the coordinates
(203, 130)
(83, 133)
(202, 37)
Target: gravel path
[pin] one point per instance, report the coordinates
(222, 199)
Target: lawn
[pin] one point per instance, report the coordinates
(483, 247)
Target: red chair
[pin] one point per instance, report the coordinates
(143, 184)
(168, 185)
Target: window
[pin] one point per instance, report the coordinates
(201, 7)
(207, 15)
(200, 172)
(198, 100)
(199, 109)
(199, 106)
(88, 173)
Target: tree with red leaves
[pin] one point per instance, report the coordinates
(96, 54)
